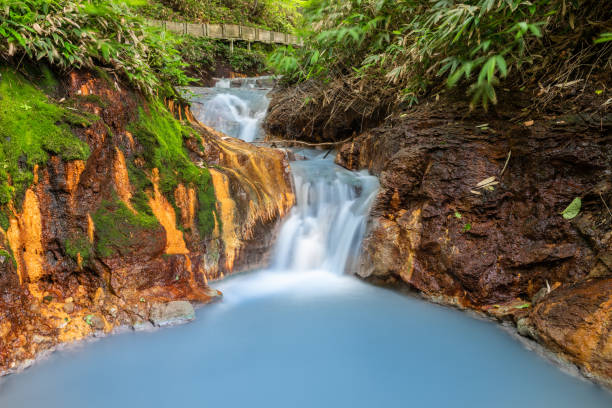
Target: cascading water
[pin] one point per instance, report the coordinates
(231, 115)
(235, 107)
(325, 227)
(303, 334)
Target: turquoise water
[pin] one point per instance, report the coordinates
(309, 340)
(307, 334)
(303, 334)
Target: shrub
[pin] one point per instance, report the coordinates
(80, 33)
(416, 45)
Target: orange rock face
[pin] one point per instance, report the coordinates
(577, 322)
(75, 272)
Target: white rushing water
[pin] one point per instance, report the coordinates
(304, 333)
(235, 107)
(324, 229)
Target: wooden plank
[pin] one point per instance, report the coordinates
(232, 31)
(215, 31)
(265, 36)
(178, 28)
(279, 38)
(248, 33)
(157, 23)
(228, 32)
(195, 29)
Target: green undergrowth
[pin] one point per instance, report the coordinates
(276, 15)
(8, 255)
(414, 48)
(32, 127)
(92, 34)
(118, 229)
(79, 244)
(202, 54)
(161, 137)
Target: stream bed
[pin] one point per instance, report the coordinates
(303, 333)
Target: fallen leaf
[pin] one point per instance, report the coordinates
(528, 123)
(486, 181)
(475, 192)
(523, 306)
(573, 209)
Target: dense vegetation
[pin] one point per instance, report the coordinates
(203, 54)
(278, 15)
(404, 49)
(75, 34)
(40, 42)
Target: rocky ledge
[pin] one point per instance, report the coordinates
(470, 214)
(159, 206)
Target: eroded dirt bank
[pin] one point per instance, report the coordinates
(156, 210)
(469, 214)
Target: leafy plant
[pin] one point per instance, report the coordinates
(276, 15)
(418, 44)
(87, 33)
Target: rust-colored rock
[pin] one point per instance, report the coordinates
(481, 246)
(577, 322)
(438, 228)
(61, 287)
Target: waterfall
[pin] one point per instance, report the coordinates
(323, 232)
(325, 228)
(235, 107)
(233, 116)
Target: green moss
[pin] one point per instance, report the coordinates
(161, 137)
(141, 184)
(48, 82)
(31, 127)
(8, 254)
(118, 229)
(94, 99)
(79, 244)
(4, 218)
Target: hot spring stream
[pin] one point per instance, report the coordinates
(302, 333)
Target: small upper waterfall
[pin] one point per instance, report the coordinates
(235, 107)
(233, 116)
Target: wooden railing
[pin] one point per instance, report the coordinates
(229, 32)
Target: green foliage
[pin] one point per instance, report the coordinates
(79, 244)
(161, 137)
(415, 44)
(8, 255)
(244, 60)
(573, 209)
(77, 33)
(276, 15)
(118, 229)
(31, 128)
(202, 54)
